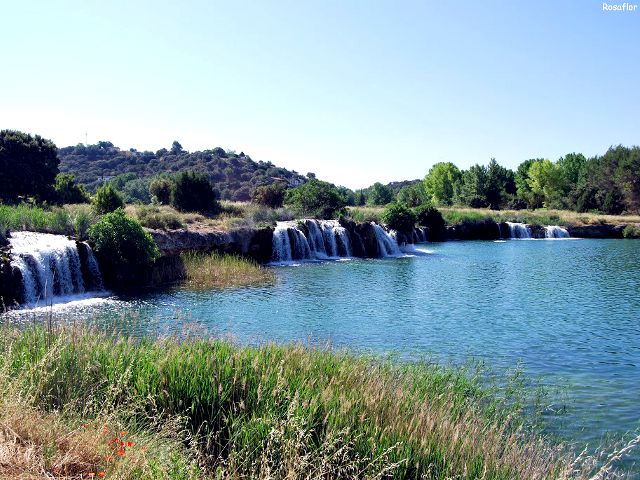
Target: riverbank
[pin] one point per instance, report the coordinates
(208, 408)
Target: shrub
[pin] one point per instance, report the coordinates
(68, 191)
(430, 217)
(399, 217)
(107, 199)
(631, 231)
(193, 193)
(318, 199)
(154, 217)
(160, 190)
(124, 249)
(269, 195)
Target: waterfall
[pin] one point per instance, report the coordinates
(554, 231)
(323, 239)
(519, 230)
(51, 266)
(386, 243)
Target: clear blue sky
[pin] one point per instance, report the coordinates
(355, 91)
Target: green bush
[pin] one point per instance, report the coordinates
(631, 231)
(430, 217)
(399, 217)
(193, 193)
(107, 199)
(269, 195)
(123, 247)
(68, 191)
(160, 190)
(317, 199)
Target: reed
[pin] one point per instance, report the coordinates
(204, 271)
(278, 411)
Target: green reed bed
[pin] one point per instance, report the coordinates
(68, 220)
(278, 411)
(204, 271)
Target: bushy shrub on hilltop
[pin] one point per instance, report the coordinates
(317, 199)
(123, 247)
(107, 199)
(399, 217)
(193, 192)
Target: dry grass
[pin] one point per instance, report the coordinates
(211, 270)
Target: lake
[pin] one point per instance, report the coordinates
(567, 310)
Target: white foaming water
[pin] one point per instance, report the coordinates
(386, 243)
(518, 230)
(50, 266)
(554, 231)
(324, 239)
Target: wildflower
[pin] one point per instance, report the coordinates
(101, 474)
(122, 434)
(121, 452)
(129, 444)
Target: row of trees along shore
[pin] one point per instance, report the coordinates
(609, 183)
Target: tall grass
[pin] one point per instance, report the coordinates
(212, 270)
(282, 411)
(70, 220)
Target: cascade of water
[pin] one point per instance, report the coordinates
(281, 245)
(316, 239)
(555, 231)
(329, 238)
(301, 249)
(386, 243)
(519, 230)
(342, 237)
(50, 265)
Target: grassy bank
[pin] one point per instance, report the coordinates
(210, 409)
(211, 270)
(542, 216)
(67, 220)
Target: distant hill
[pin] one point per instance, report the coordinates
(234, 175)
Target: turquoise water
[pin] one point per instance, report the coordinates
(568, 310)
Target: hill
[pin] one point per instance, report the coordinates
(234, 175)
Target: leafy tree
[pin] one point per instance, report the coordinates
(500, 183)
(399, 217)
(412, 195)
(68, 191)
(193, 193)
(317, 198)
(360, 198)
(379, 194)
(269, 195)
(441, 181)
(123, 246)
(523, 188)
(107, 199)
(29, 165)
(546, 179)
(160, 190)
(176, 148)
(473, 186)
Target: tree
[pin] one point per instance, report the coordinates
(160, 190)
(546, 179)
(269, 195)
(412, 195)
(107, 199)
(523, 189)
(441, 181)
(317, 199)
(500, 182)
(399, 217)
(68, 191)
(193, 193)
(176, 148)
(472, 189)
(29, 165)
(379, 194)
